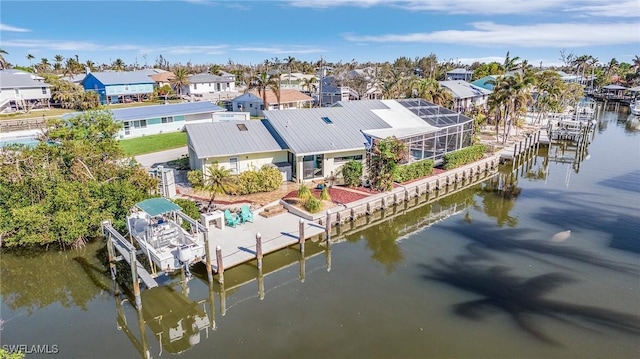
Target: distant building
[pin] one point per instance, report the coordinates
(20, 91)
(119, 86)
(459, 74)
(466, 96)
(487, 82)
(252, 101)
(206, 83)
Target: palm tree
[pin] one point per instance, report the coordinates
(58, 65)
(218, 180)
(264, 82)
(308, 83)
(179, 80)
(44, 65)
(3, 62)
(430, 90)
(290, 60)
(636, 63)
(118, 65)
(30, 57)
(510, 64)
(90, 65)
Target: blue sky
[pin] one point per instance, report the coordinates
(249, 32)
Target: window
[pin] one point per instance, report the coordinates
(242, 127)
(347, 158)
(195, 86)
(327, 120)
(44, 90)
(167, 119)
(233, 165)
(140, 124)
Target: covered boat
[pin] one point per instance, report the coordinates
(155, 224)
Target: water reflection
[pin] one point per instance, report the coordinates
(521, 297)
(536, 247)
(32, 281)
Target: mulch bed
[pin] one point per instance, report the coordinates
(338, 195)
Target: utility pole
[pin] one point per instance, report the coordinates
(321, 80)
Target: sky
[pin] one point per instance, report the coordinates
(250, 32)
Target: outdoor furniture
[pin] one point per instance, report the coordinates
(245, 214)
(231, 219)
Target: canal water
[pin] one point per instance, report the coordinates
(540, 261)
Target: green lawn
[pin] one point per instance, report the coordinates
(153, 143)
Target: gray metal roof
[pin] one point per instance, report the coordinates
(462, 89)
(305, 132)
(158, 111)
(226, 139)
(19, 79)
(121, 77)
(206, 77)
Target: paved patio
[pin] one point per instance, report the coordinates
(239, 244)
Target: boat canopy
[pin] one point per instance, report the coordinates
(157, 206)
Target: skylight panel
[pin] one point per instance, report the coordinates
(242, 127)
(327, 120)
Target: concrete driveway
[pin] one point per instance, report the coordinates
(161, 158)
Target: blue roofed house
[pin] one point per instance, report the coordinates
(156, 119)
(119, 86)
(487, 82)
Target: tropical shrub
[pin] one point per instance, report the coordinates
(414, 170)
(304, 193)
(324, 195)
(266, 179)
(463, 156)
(352, 172)
(313, 205)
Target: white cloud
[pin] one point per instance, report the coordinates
(483, 7)
(620, 8)
(67, 45)
(5, 27)
(536, 35)
(279, 50)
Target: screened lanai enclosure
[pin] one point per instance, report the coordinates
(443, 131)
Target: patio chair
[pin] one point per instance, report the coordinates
(245, 214)
(231, 219)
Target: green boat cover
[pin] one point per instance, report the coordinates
(157, 206)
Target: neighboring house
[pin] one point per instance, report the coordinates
(459, 74)
(20, 91)
(466, 95)
(119, 86)
(235, 145)
(163, 78)
(296, 80)
(289, 99)
(332, 91)
(487, 82)
(75, 78)
(310, 144)
(247, 102)
(151, 120)
(364, 85)
(206, 83)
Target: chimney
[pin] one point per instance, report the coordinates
(87, 70)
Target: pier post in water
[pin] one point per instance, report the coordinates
(220, 265)
(207, 254)
(301, 237)
(134, 278)
(327, 227)
(259, 249)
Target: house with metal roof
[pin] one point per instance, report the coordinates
(236, 145)
(207, 83)
(21, 90)
(248, 102)
(460, 73)
(315, 143)
(156, 119)
(289, 99)
(466, 95)
(487, 82)
(119, 86)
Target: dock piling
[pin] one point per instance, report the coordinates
(301, 237)
(259, 249)
(327, 227)
(134, 278)
(220, 265)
